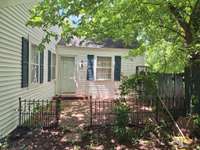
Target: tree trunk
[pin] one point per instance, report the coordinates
(192, 76)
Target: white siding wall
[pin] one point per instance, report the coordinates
(102, 89)
(12, 29)
(129, 65)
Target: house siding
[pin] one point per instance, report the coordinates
(98, 89)
(12, 28)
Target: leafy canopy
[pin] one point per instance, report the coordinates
(167, 31)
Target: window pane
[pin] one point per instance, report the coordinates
(103, 74)
(34, 54)
(53, 70)
(34, 64)
(34, 73)
(104, 68)
(104, 62)
(54, 59)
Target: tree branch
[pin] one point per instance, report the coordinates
(149, 3)
(186, 27)
(173, 30)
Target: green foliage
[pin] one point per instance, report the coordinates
(4, 144)
(127, 85)
(195, 103)
(196, 119)
(37, 108)
(122, 113)
(121, 129)
(146, 83)
(161, 131)
(166, 31)
(58, 105)
(163, 56)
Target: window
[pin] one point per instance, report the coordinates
(35, 64)
(53, 66)
(104, 68)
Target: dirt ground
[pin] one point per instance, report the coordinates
(75, 114)
(74, 134)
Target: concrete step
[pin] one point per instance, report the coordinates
(70, 97)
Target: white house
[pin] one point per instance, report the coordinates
(90, 69)
(59, 69)
(24, 71)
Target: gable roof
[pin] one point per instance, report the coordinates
(108, 43)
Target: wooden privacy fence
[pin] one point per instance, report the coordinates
(39, 113)
(171, 90)
(192, 85)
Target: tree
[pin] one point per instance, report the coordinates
(167, 31)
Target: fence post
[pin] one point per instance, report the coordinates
(58, 109)
(157, 109)
(90, 97)
(20, 105)
(187, 103)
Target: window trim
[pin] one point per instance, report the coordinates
(51, 65)
(95, 68)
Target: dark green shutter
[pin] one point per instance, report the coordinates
(117, 71)
(42, 67)
(49, 65)
(90, 68)
(25, 62)
(53, 66)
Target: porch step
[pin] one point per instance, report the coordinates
(70, 97)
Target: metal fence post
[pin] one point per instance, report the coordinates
(20, 105)
(58, 109)
(90, 97)
(157, 109)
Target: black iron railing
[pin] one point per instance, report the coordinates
(102, 111)
(39, 113)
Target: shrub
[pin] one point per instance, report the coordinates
(195, 103)
(122, 113)
(138, 83)
(161, 131)
(121, 129)
(196, 119)
(4, 144)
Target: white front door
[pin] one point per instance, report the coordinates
(68, 75)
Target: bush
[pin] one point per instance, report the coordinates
(4, 144)
(161, 131)
(196, 119)
(121, 129)
(195, 104)
(141, 82)
(122, 113)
